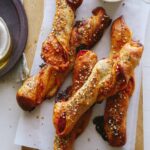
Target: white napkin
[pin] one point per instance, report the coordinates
(36, 129)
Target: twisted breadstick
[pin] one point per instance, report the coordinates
(120, 35)
(116, 106)
(66, 143)
(107, 78)
(91, 29)
(49, 79)
(56, 49)
(115, 115)
(84, 64)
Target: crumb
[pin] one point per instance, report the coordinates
(42, 118)
(42, 65)
(89, 139)
(123, 4)
(37, 117)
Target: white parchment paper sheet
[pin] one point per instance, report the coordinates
(36, 129)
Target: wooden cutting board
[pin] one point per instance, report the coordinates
(34, 11)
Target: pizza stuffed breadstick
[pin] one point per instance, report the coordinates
(66, 143)
(55, 52)
(89, 32)
(56, 49)
(84, 64)
(115, 115)
(117, 105)
(107, 78)
(46, 83)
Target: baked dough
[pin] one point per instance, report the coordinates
(84, 64)
(115, 115)
(56, 49)
(107, 78)
(117, 105)
(50, 77)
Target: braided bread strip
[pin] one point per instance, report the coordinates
(46, 83)
(116, 114)
(107, 78)
(56, 49)
(116, 106)
(66, 143)
(84, 63)
(91, 29)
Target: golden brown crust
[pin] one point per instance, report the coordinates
(116, 114)
(56, 48)
(37, 87)
(116, 106)
(25, 103)
(88, 32)
(102, 78)
(87, 59)
(29, 93)
(120, 35)
(122, 69)
(84, 64)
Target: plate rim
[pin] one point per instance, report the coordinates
(21, 44)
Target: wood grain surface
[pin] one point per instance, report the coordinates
(34, 11)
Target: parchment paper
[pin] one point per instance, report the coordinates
(36, 129)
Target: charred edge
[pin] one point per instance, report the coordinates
(25, 103)
(80, 23)
(74, 4)
(97, 10)
(100, 32)
(63, 95)
(99, 123)
(81, 47)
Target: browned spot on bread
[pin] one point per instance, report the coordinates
(74, 4)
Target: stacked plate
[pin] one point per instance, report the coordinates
(13, 33)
